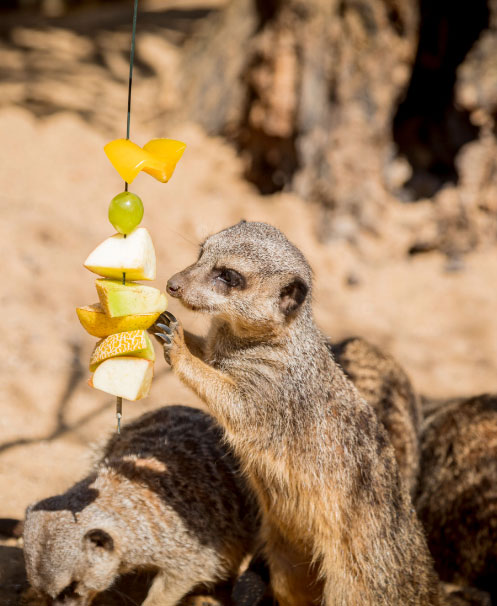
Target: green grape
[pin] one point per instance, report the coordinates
(125, 212)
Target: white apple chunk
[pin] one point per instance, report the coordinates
(133, 255)
(126, 377)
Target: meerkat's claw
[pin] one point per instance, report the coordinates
(168, 317)
(169, 330)
(163, 337)
(164, 330)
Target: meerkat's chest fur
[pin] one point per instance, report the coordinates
(305, 410)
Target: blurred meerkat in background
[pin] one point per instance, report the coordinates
(382, 382)
(456, 498)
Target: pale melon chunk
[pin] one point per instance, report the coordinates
(133, 255)
(118, 299)
(131, 343)
(99, 324)
(126, 377)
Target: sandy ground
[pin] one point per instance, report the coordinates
(56, 184)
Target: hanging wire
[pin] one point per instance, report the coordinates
(130, 81)
(119, 400)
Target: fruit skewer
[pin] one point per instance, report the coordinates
(122, 361)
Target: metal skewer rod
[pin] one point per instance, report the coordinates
(119, 412)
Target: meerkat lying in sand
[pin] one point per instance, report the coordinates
(167, 496)
(337, 522)
(456, 497)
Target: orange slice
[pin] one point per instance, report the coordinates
(96, 322)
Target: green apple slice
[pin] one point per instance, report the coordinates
(118, 299)
(135, 343)
(126, 377)
(96, 322)
(133, 255)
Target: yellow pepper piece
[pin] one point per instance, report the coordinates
(157, 158)
(167, 153)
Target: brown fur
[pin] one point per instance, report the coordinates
(466, 596)
(338, 523)
(381, 381)
(457, 494)
(167, 496)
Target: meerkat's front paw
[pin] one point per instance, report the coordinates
(169, 332)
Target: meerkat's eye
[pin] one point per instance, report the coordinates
(230, 277)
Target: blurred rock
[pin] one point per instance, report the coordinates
(309, 97)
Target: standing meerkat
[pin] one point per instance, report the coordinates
(384, 384)
(457, 494)
(337, 522)
(167, 496)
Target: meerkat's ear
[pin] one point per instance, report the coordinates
(100, 539)
(292, 296)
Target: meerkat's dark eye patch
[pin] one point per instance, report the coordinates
(99, 538)
(68, 592)
(292, 296)
(230, 277)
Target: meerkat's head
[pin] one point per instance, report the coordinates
(250, 275)
(69, 559)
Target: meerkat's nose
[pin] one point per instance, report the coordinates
(174, 286)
